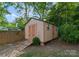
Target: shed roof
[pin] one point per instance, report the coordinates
(38, 20)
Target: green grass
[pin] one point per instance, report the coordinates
(59, 53)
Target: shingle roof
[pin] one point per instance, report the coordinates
(38, 20)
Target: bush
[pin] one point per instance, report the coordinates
(69, 33)
(36, 41)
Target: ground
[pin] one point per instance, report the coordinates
(53, 48)
(13, 49)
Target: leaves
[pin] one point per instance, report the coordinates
(66, 17)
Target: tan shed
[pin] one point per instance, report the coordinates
(40, 29)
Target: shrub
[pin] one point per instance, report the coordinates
(69, 33)
(36, 41)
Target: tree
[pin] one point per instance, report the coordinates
(60, 13)
(3, 11)
(42, 9)
(20, 23)
(37, 9)
(65, 17)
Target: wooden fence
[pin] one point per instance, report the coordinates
(11, 36)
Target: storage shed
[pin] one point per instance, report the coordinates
(41, 29)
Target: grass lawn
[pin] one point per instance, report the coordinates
(49, 54)
(52, 49)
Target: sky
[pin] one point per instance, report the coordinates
(11, 17)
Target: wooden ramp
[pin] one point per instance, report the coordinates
(14, 51)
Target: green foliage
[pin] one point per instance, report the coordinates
(3, 12)
(66, 17)
(21, 23)
(12, 25)
(69, 33)
(63, 13)
(40, 10)
(36, 41)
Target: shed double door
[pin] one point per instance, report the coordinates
(32, 31)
